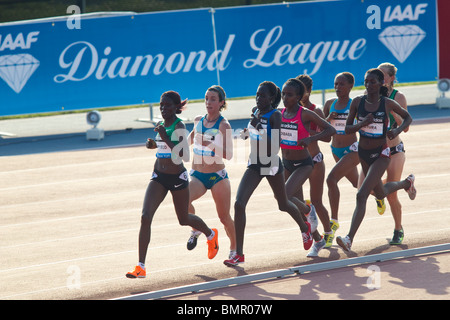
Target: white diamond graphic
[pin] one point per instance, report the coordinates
(17, 69)
(402, 40)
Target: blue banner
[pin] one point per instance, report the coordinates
(323, 38)
(132, 59)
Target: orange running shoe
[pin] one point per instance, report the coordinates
(213, 245)
(138, 272)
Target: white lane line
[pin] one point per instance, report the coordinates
(252, 256)
(55, 167)
(183, 244)
(73, 181)
(118, 177)
(168, 205)
(172, 225)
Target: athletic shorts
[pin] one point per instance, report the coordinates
(292, 165)
(371, 155)
(318, 158)
(341, 152)
(171, 182)
(209, 179)
(398, 148)
(267, 169)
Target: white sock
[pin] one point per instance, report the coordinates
(142, 265)
(196, 233)
(212, 235)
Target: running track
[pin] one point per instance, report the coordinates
(70, 220)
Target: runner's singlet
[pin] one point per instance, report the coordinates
(209, 134)
(292, 130)
(378, 128)
(163, 149)
(340, 120)
(392, 122)
(263, 126)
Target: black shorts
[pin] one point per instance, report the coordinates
(267, 169)
(369, 156)
(318, 158)
(398, 148)
(172, 182)
(292, 165)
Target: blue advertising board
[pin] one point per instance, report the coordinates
(133, 58)
(323, 38)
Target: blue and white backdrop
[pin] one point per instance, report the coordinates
(132, 59)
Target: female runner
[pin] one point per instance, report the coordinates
(169, 174)
(372, 113)
(317, 177)
(344, 147)
(213, 142)
(264, 162)
(297, 160)
(395, 168)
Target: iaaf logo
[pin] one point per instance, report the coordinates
(401, 40)
(16, 69)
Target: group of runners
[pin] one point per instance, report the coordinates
(379, 115)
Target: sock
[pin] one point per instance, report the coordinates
(142, 265)
(212, 235)
(196, 233)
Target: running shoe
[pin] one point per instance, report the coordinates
(397, 238)
(381, 206)
(213, 244)
(328, 237)
(412, 190)
(318, 245)
(307, 237)
(334, 225)
(192, 241)
(234, 260)
(312, 218)
(138, 272)
(345, 243)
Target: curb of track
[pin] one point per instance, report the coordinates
(298, 270)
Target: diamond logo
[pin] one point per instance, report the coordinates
(402, 40)
(17, 69)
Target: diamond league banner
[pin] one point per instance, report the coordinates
(323, 38)
(131, 59)
(106, 61)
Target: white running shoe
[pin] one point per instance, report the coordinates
(345, 243)
(412, 190)
(316, 248)
(312, 218)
